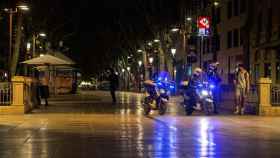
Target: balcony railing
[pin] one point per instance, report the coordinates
(5, 93)
(275, 96)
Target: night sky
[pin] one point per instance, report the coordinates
(97, 31)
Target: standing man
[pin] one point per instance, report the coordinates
(114, 83)
(242, 87)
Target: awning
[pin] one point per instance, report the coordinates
(48, 60)
(59, 67)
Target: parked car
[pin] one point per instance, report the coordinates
(85, 85)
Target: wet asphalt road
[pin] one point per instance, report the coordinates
(88, 125)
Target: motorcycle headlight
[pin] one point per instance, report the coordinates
(161, 91)
(204, 93)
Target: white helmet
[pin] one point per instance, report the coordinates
(198, 70)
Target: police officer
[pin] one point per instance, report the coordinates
(214, 78)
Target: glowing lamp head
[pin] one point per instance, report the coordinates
(189, 19)
(140, 63)
(42, 34)
(204, 93)
(173, 51)
(151, 60)
(156, 40)
(23, 7)
(175, 30)
(216, 3)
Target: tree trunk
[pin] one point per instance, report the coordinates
(16, 52)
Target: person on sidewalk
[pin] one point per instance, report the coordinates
(114, 83)
(44, 89)
(242, 87)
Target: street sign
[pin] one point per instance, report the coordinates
(203, 22)
(203, 32)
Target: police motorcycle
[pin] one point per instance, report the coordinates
(197, 96)
(157, 96)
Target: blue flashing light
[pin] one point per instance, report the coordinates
(172, 87)
(159, 83)
(212, 86)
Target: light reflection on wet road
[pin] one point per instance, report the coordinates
(90, 126)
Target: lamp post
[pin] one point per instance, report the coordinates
(151, 60)
(140, 63)
(128, 73)
(34, 38)
(13, 56)
(215, 31)
(11, 13)
(173, 52)
(123, 78)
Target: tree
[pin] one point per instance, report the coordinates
(16, 52)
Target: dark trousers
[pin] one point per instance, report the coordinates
(216, 100)
(113, 94)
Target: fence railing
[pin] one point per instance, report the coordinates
(5, 93)
(275, 96)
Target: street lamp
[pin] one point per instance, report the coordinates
(156, 40)
(140, 63)
(139, 74)
(173, 51)
(128, 75)
(123, 70)
(189, 19)
(42, 34)
(175, 30)
(11, 12)
(150, 44)
(28, 46)
(34, 38)
(151, 60)
(139, 51)
(216, 3)
(23, 7)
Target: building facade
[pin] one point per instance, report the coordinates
(225, 41)
(231, 38)
(265, 41)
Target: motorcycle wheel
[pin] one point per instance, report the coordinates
(162, 108)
